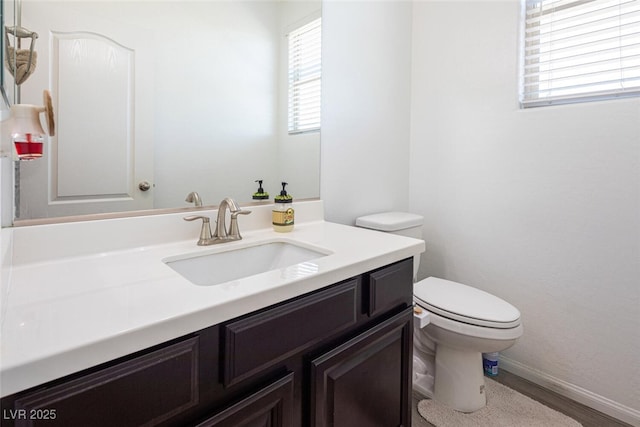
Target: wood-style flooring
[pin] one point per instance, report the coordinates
(583, 414)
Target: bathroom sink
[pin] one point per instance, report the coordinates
(210, 269)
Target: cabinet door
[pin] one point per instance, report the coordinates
(366, 382)
(271, 406)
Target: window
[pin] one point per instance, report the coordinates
(580, 50)
(305, 78)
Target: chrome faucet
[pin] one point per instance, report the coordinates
(221, 235)
(221, 230)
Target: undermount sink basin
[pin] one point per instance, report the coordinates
(208, 269)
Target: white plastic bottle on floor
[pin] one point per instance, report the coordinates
(490, 363)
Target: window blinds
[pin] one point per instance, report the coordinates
(305, 77)
(580, 50)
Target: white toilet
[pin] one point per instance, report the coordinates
(457, 324)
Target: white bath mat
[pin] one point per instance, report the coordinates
(505, 408)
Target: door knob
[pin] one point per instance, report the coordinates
(144, 185)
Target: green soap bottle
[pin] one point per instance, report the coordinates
(260, 194)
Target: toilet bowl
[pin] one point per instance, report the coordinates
(464, 322)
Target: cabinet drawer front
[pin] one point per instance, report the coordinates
(269, 406)
(262, 340)
(389, 287)
(139, 392)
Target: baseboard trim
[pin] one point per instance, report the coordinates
(580, 395)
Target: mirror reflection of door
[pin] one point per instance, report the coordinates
(101, 83)
(201, 93)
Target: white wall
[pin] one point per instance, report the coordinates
(365, 115)
(540, 207)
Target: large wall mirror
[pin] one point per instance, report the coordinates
(182, 95)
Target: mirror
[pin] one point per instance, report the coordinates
(180, 95)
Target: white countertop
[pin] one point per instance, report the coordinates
(69, 312)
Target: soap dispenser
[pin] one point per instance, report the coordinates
(283, 214)
(260, 194)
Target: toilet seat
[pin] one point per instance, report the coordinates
(462, 303)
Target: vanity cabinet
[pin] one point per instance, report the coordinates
(365, 381)
(270, 406)
(145, 390)
(338, 356)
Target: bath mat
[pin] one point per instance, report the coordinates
(505, 408)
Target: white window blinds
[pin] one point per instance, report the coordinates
(580, 50)
(305, 77)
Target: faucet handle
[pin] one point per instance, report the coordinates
(205, 231)
(234, 231)
(194, 217)
(235, 214)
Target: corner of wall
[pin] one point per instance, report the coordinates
(366, 108)
(6, 191)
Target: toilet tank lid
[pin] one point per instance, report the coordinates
(390, 221)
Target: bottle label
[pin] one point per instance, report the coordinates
(490, 367)
(282, 217)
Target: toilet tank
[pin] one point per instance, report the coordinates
(402, 223)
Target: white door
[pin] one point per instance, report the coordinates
(100, 74)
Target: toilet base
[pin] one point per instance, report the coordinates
(459, 379)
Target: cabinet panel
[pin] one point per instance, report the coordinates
(271, 406)
(389, 287)
(262, 340)
(366, 381)
(139, 392)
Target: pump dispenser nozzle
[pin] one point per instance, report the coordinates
(284, 197)
(260, 194)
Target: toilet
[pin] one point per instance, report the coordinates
(454, 324)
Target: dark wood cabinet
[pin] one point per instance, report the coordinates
(145, 390)
(388, 287)
(261, 340)
(365, 382)
(271, 406)
(339, 356)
